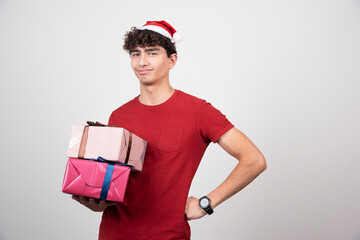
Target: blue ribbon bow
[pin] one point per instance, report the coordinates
(108, 175)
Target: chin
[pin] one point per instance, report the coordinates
(146, 82)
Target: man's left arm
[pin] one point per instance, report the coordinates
(251, 164)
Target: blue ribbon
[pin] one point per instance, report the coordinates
(108, 175)
(107, 180)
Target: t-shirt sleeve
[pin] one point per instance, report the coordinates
(211, 122)
(111, 119)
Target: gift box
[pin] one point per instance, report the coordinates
(102, 180)
(112, 143)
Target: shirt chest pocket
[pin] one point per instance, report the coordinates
(170, 139)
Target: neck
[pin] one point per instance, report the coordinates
(155, 95)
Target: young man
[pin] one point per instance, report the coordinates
(178, 128)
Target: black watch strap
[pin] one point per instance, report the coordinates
(205, 204)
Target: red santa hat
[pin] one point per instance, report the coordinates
(163, 28)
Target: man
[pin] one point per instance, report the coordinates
(178, 128)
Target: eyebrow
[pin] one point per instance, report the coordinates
(132, 51)
(146, 50)
(151, 49)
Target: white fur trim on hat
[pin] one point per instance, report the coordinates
(157, 29)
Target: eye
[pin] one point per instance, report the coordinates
(135, 54)
(152, 53)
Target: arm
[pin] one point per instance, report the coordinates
(251, 164)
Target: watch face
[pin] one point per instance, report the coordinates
(204, 203)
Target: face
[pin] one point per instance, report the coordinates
(151, 65)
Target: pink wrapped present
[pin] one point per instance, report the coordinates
(94, 179)
(112, 143)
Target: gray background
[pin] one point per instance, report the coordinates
(286, 73)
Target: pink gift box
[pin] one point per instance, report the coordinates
(86, 178)
(111, 143)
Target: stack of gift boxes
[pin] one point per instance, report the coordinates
(100, 160)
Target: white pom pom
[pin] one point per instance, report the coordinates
(177, 37)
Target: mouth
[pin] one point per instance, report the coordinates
(143, 71)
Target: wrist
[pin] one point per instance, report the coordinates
(215, 200)
(205, 204)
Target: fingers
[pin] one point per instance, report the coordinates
(107, 203)
(75, 198)
(93, 204)
(104, 204)
(193, 210)
(80, 199)
(84, 201)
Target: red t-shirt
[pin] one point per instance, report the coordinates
(177, 131)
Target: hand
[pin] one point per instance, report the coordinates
(193, 210)
(93, 204)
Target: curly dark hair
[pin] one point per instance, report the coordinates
(147, 38)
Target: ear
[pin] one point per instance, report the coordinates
(172, 60)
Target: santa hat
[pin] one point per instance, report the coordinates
(163, 28)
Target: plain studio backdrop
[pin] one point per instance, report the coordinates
(286, 73)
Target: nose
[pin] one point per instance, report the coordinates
(143, 60)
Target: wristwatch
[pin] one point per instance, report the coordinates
(204, 203)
